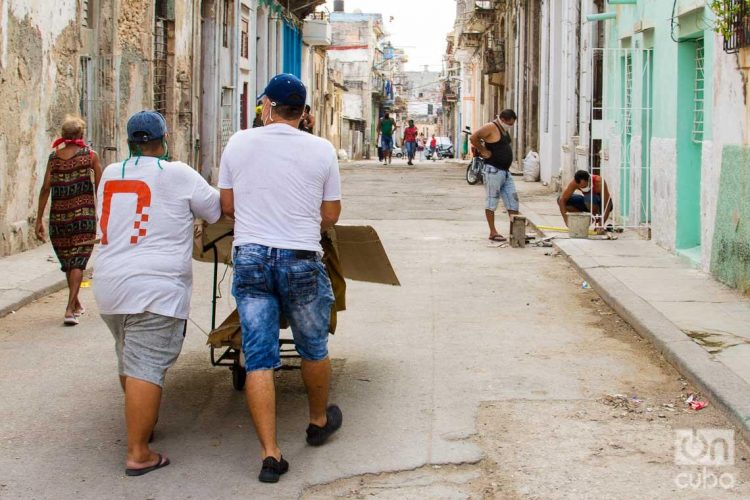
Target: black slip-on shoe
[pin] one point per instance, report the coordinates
(272, 470)
(317, 435)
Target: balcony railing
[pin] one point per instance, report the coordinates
(494, 59)
(739, 35)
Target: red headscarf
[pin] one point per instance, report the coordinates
(77, 142)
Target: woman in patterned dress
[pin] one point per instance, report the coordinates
(72, 219)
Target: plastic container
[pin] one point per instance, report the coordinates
(578, 225)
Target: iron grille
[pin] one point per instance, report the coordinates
(160, 66)
(740, 26)
(699, 93)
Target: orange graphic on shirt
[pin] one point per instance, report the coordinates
(140, 189)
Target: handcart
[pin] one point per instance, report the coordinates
(353, 252)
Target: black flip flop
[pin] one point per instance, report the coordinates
(162, 462)
(498, 237)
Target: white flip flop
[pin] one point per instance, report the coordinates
(70, 321)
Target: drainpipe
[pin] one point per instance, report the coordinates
(605, 16)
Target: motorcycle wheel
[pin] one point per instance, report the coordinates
(471, 176)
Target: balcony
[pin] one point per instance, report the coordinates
(494, 58)
(316, 31)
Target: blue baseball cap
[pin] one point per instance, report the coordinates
(146, 126)
(285, 90)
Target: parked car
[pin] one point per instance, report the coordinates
(397, 152)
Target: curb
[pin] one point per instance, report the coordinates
(34, 290)
(726, 390)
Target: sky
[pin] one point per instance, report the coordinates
(418, 26)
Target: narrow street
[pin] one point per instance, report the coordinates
(490, 373)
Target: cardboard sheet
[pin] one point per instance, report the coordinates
(359, 248)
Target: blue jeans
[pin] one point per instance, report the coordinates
(269, 282)
(411, 149)
(583, 203)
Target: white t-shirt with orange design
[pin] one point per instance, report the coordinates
(145, 222)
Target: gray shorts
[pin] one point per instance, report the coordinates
(147, 344)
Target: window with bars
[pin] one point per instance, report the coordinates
(160, 64)
(738, 34)
(699, 92)
(245, 38)
(225, 21)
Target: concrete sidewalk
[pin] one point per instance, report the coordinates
(699, 325)
(28, 276)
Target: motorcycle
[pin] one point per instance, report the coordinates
(475, 170)
(442, 151)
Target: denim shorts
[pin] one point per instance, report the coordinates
(387, 142)
(499, 184)
(147, 344)
(269, 282)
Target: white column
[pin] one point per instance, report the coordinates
(272, 47)
(252, 50)
(261, 56)
(279, 46)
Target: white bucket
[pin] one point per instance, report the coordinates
(578, 225)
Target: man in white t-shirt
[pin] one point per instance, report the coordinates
(282, 187)
(143, 273)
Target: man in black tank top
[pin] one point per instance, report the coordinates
(493, 142)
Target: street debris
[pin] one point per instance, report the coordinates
(698, 405)
(585, 285)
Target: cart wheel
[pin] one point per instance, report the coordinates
(238, 376)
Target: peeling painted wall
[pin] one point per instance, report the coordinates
(38, 57)
(663, 191)
(41, 45)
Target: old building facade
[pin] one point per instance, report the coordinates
(199, 62)
(631, 90)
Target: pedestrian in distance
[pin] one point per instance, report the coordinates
(72, 176)
(410, 142)
(282, 201)
(421, 146)
(387, 128)
(307, 122)
(595, 194)
(433, 148)
(465, 144)
(493, 142)
(143, 283)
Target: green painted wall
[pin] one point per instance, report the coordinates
(730, 260)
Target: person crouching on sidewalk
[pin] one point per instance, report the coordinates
(143, 283)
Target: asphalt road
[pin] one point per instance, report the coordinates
(489, 373)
